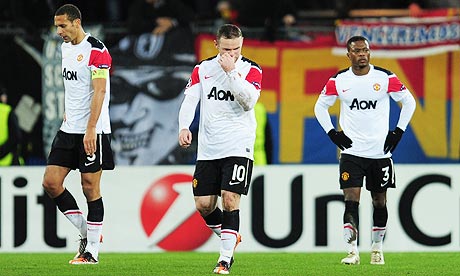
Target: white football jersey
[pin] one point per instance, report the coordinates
(364, 108)
(77, 63)
(225, 129)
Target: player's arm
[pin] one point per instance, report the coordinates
(322, 111)
(325, 100)
(401, 94)
(186, 115)
(99, 79)
(246, 90)
(407, 109)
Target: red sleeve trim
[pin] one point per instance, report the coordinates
(330, 88)
(194, 78)
(254, 77)
(100, 59)
(395, 85)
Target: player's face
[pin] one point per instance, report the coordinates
(66, 29)
(232, 46)
(359, 54)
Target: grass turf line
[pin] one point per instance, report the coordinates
(247, 264)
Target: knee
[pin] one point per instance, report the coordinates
(204, 207)
(90, 190)
(230, 201)
(379, 203)
(51, 188)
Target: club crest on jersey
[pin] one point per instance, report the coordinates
(377, 87)
(79, 57)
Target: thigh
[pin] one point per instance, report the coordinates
(351, 171)
(64, 152)
(236, 174)
(206, 178)
(380, 175)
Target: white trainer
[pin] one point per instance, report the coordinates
(351, 259)
(377, 258)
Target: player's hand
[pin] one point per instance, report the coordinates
(185, 138)
(392, 140)
(340, 139)
(227, 62)
(89, 141)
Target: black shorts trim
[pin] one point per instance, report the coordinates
(67, 150)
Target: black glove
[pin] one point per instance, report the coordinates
(340, 139)
(392, 140)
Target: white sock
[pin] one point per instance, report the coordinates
(78, 220)
(94, 238)
(215, 228)
(349, 233)
(378, 233)
(227, 244)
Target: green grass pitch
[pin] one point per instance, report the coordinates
(247, 264)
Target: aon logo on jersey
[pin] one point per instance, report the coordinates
(363, 105)
(69, 75)
(220, 95)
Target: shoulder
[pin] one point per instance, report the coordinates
(204, 61)
(383, 70)
(340, 73)
(95, 43)
(251, 62)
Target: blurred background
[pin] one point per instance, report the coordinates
(298, 44)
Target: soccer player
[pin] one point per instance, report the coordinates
(227, 86)
(83, 140)
(364, 91)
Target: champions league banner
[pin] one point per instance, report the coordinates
(286, 210)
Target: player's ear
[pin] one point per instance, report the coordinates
(77, 21)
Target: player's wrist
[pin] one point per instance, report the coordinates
(232, 73)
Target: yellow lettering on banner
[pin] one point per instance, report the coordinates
(296, 106)
(455, 103)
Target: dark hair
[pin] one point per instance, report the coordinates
(354, 39)
(228, 31)
(70, 10)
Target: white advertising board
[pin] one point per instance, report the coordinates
(289, 208)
